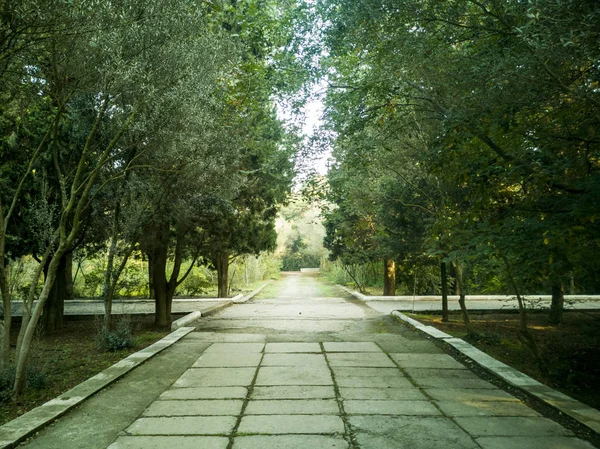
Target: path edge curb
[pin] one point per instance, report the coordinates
(185, 320)
(16, 431)
(248, 297)
(584, 414)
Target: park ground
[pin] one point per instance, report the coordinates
(303, 366)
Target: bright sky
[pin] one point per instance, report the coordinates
(313, 159)
(313, 112)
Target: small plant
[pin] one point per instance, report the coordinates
(7, 378)
(121, 337)
(34, 378)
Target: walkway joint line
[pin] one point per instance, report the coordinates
(349, 433)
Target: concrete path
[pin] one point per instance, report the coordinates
(301, 366)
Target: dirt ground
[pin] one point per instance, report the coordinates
(61, 360)
(570, 352)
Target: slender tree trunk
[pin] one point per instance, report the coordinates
(5, 292)
(106, 296)
(151, 294)
(7, 318)
(523, 324)
(558, 303)
(159, 281)
(444, 275)
(53, 315)
(221, 263)
(69, 289)
(22, 355)
(28, 303)
(461, 298)
(112, 287)
(389, 277)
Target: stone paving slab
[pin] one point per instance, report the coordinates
(440, 382)
(195, 408)
(474, 395)
(232, 360)
(288, 424)
(293, 392)
(179, 442)
(410, 347)
(351, 346)
(293, 375)
(316, 360)
(345, 371)
(489, 408)
(370, 407)
(293, 407)
(219, 337)
(511, 426)
(419, 373)
(216, 377)
(358, 359)
(292, 347)
(183, 425)
(404, 394)
(374, 382)
(538, 442)
(426, 361)
(235, 347)
(289, 442)
(409, 432)
(205, 393)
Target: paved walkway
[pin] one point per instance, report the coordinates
(301, 366)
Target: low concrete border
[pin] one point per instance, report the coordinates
(243, 299)
(17, 430)
(185, 320)
(588, 416)
(356, 294)
(468, 297)
(216, 307)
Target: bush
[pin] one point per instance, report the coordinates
(115, 340)
(7, 378)
(34, 378)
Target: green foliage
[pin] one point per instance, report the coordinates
(300, 235)
(35, 378)
(197, 283)
(465, 132)
(121, 337)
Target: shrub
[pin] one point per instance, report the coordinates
(121, 337)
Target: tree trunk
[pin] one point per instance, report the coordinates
(112, 286)
(389, 277)
(151, 294)
(159, 282)
(110, 260)
(558, 303)
(444, 275)
(53, 314)
(69, 276)
(28, 303)
(22, 355)
(461, 298)
(523, 324)
(7, 315)
(221, 263)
